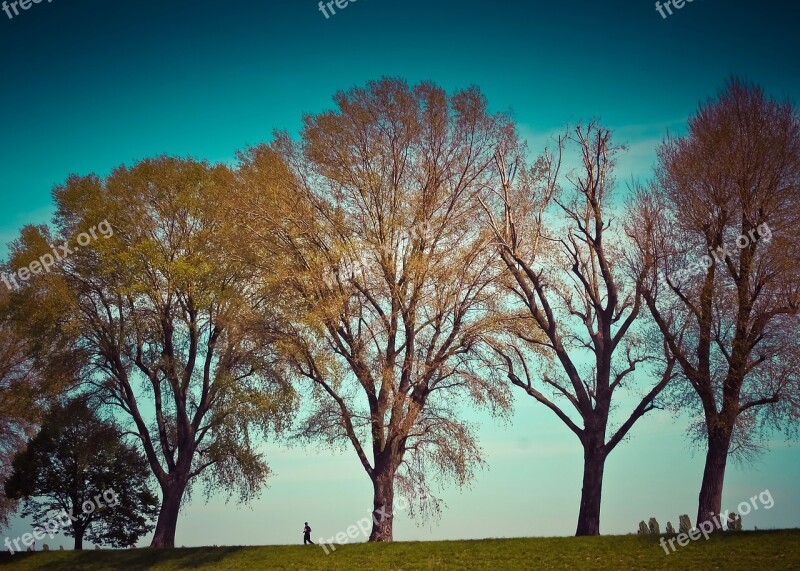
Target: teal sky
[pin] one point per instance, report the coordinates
(90, 84)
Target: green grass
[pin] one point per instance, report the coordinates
(761, 550)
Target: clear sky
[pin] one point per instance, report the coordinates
(89, 84)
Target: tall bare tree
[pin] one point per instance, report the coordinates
(573, 300)
(166, 319)
(718, 244)
(369, 229)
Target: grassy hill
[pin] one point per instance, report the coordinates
(745, 550)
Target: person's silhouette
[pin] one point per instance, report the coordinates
(307, 535)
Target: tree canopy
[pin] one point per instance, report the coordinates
(165, 320)
(369, 228)
(717, 244)
(77, 465)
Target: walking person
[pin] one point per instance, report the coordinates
(307, 535)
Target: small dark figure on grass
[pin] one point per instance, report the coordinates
(307, 535)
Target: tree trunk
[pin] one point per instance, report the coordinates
(78, 539)
(383, 502)
(168, 516)
(594, 460)
(710, 500)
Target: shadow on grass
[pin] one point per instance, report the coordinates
(128, 559)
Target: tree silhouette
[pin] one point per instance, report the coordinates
(572, 300)
(77, 465)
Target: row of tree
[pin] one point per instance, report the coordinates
(404, 259)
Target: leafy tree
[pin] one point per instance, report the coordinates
(18, 408)
(573, 302)
(163, 310)
(718, 245)
(31, 374)
(368, 237)
(76, 465)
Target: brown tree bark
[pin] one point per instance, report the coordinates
(172, 493)
(710, 497)
(594, 460)
(383, 504)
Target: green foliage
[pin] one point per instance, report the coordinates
(164, 321)
(74, 457)
(34, 369)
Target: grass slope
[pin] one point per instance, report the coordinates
(765, 550)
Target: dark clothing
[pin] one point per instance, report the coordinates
(307, 536)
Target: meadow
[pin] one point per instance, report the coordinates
(743, 550)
